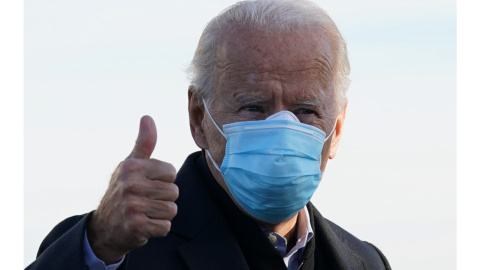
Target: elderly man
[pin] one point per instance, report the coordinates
(266, 106)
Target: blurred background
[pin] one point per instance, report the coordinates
(93, 68)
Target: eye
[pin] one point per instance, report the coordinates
(307, 111)
(252, 108)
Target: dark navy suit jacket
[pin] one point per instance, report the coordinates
(210, 232)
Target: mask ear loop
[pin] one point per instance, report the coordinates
(215, 123)
(331, 132)
(211, 159)
(206, 150)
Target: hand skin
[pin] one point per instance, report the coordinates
(138, 204)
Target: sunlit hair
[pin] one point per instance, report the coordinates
(274, 16)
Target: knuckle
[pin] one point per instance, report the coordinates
(130, 166)
(168, 171)
(132, 187)
(164, 228)
(171, 172)
(171, 209)
(170, 191)
(136, 225)
(167, 191)
(132, 208)
(175, 191)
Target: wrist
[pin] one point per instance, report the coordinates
(98, 241)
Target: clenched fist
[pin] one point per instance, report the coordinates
(139, 202)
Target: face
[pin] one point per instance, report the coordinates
(259, 74)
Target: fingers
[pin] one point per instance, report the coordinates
(146, 139)
(153, 209)
(139, 202)
(158, 227)
(149, 178)
(159, 170)
(149, 218)
(155, 190)
(142, 228)
(150, 168)
(156, 209)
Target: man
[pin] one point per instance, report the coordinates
(266, 106)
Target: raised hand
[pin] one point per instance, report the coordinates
(139, 202)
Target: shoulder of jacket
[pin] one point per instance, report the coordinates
(59, 230)
(371, 255)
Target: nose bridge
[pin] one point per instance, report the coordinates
(279, 103)
(280, 106)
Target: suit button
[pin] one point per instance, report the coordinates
(272, 238)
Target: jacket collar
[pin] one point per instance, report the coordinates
(204, 226)
(208, 229)
(332, 244)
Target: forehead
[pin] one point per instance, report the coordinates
(246, 54)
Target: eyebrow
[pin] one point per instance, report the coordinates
(313, 103)
(244, 98)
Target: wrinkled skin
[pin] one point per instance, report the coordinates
(259, 74)
(256, 75)
(139, 202)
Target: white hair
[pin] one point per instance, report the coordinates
(273, 16)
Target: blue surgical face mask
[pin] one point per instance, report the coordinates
(271, 167)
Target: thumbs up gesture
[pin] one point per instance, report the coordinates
(139, 202)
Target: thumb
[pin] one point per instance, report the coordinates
(146, 140)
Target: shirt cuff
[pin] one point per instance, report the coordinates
(92, 261)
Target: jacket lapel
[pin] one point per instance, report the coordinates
(213, 248)
(334, 247)
(212, 244)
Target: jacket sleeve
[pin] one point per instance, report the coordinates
(63, 246)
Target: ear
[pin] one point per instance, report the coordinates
(338, 132)
(195, 114)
